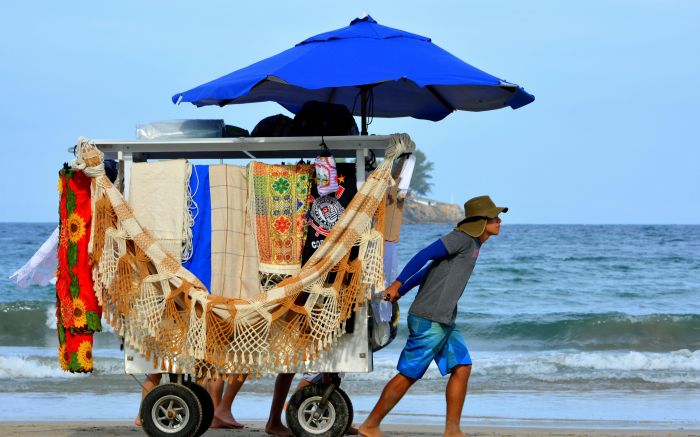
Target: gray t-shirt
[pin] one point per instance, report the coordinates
(445, 280)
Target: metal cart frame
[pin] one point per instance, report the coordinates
(172, 409)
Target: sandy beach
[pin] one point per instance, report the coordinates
(123, 429)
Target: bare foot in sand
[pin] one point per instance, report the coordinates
(370, 431)
(224, 419)
(278, 430)
(219, 422)
(457, 433)
(137, 421)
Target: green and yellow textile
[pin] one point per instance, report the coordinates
(77, 310)
(279, 197)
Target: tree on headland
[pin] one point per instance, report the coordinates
(422, 174)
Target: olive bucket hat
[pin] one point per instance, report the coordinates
(476, 212)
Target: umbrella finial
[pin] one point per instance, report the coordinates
(364, 18)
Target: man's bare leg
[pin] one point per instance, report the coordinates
(455, 393)
(216, 390)
(152, 380)
(223, 400)
(302, 384)
(274, 424)
(391, 395)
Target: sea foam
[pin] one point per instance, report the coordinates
(34, 367)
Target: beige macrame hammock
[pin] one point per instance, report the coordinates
(165, 312)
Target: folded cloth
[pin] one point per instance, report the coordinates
(159, 197)
(279, 199)
(41, 267)
(234, 259)
(200, 261)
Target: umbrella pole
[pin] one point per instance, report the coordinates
(363, 105)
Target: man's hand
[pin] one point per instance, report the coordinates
(392, 292)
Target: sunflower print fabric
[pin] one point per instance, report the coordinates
(77, 310)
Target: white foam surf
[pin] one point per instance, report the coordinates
(673, 368)
(42, 366)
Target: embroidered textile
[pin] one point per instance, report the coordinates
(279, 198)
(234, 258)
(77, 310)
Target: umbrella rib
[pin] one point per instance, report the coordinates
(439, 97)
(331, 95)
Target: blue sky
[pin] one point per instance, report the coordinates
(611, 138)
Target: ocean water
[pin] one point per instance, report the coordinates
(595, 326)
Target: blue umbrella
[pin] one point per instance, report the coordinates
(371, 69)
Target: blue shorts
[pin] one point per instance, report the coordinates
(428, 341)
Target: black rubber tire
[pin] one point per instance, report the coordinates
(207, 406)
(348, 403)
(298, 413)
(166, 396)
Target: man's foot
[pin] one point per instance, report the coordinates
(278, 430)
(217, 422)
(224, 419)
(352, 431)
(454, 433)
(137, 421)
(370, 431)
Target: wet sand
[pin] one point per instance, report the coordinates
(124, 429)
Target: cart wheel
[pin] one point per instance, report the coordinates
(207, 406)
(306, 418)
(348, 403)
(171, 410)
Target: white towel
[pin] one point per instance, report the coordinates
(41, 267)
(158, 193)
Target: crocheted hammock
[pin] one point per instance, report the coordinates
(165, 312)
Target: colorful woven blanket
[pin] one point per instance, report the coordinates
(279, 196)
(77, 309)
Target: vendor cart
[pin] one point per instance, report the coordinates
(180, 407)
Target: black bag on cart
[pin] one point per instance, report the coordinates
(319, 118)
(274, 126)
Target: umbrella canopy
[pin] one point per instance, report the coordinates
(371, 69)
